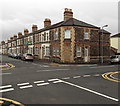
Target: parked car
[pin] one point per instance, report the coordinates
(19, 55)
(14, 55)
(10, 54)
(115, 59)
(27, 56)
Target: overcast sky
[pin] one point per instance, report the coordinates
(16, 15)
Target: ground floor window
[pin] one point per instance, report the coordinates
(56, 51)
(47, 51)
(78, 51)
(36, 50)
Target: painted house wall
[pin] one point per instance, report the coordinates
(115, 42)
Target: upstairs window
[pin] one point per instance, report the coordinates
(86, 35)
(67, 34)
(56, 35)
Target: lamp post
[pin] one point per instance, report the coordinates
(102, 44)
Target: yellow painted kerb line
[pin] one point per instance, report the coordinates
(15, 102)
(8, 64)
(105, 75)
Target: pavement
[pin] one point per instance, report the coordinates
(38, 83)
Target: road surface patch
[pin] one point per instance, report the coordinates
(109, 76)
(9, 102)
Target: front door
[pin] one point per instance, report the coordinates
(86, 56)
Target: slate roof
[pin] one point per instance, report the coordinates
(69, 22)
(116, 35)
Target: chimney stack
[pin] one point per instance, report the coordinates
(11, 38)
(2, 42)
(26, 31)
(47, 22)
(68, 14)
(19, 34)
(34, 28)
(15, 37)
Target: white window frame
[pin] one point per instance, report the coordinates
(78, 51)
(86, 35)
(67, 34)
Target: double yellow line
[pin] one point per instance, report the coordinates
(105, 75)
(9, 66)
(9, 100)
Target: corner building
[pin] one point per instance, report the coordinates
(71, 41)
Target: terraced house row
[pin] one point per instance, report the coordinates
(68, 41)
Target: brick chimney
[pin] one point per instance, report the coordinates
(26, 31)
(19, 34)
(2, 42)
(15, 37)
(68, 14)
(11, 38)
(47, 22)
(34, 28)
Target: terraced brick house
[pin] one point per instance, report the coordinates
(68, 41)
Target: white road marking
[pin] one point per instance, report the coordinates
(57, 81)
(6, 90)
(61, 69)
(44, 70)
(96, 75)
(38, 81)
(92, 91)
(76, 76)
(103, 66)
(111, 75)
(66, 78)
(53, 79)
(43, 84)
(7, 86)
(86, 75)
(23, 84)
(45, 66)
(5, 73)
(28, 86)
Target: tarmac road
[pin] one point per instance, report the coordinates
(38, 83)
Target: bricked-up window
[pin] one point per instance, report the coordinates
(55, 51)
(67, 34)
(78, 51)
(86, 35)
